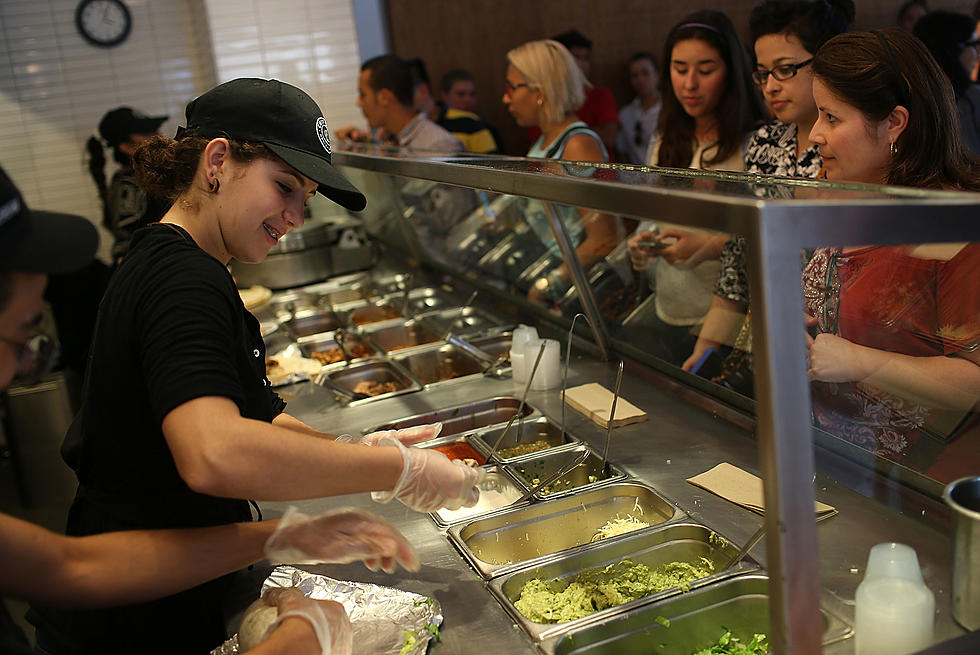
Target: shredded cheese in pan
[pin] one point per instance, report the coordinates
(619, 525)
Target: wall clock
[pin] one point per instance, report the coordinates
(104, 23)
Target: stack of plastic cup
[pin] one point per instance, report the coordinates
(894, 611)
(518, 343)
(548, 375)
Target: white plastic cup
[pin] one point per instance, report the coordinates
(548, 375)
(518, 343)
(893, 616)
(894, 611)
(893, 560)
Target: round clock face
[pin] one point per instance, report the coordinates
(103, 22)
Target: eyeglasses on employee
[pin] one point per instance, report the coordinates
(781, 73)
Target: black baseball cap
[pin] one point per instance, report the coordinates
(117, 125)
(282, 118)
(41, 242)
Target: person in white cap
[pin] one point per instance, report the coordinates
(134, 565)
(178, 424)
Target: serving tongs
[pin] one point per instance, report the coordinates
(563, 470)
(346, 394)
(520, 408)
(461, 311)
(409, 279)
(753, 540)
(340, 338)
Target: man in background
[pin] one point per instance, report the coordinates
(463, 124)
(638, 119)
(384, 94)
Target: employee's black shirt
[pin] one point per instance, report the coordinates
(171, 328)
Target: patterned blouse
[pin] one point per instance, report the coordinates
(771, 151)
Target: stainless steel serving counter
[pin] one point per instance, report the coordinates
(678, 441)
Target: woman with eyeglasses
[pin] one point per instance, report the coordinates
(952, 40)
(895, 363)
(543, 87)
(709, 108)
(786, 34)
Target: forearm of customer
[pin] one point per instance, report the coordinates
(121, 567)
(220, 453)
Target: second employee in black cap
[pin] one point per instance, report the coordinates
(178, 423)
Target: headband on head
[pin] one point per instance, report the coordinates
(905, 92)
(704, 26)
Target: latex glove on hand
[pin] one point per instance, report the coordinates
(340, 537)
(328, 618)
(431, 481)
(407, 436)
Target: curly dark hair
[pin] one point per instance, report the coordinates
(813, 22)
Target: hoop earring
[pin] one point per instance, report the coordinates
(893, 148)
(214, 185)
(540, 101)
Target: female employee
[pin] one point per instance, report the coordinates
(709, 108)
(178, 422)
(896, 355)
(543, 88)
(786, 34)
(134, 565)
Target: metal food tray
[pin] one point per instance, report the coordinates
(501, 483)
(495, 345)
(442, 365)
(307, 322)
(320, 342)
(373, 370)
(674, 542)
(465, 418)
(426, 299)
(522, 432)
(372, 313)
(462, 321)
(541, 465)
(409, 334)
(696, 621)
(526, 536)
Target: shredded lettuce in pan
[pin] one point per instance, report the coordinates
(731, 645)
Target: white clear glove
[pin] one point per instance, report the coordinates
(407, 436)
(328, 618)
(340, 537)
(430, 480)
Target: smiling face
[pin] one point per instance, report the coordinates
(698, 75)
(520, 98)
(853, 149)
(258, 203)
(18, 319)
(791, 101)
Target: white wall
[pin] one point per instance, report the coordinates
(55, 87)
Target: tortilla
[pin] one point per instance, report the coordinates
(255, 297)
(280, 367)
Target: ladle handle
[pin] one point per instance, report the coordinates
(520, 408)
(753, 540)
(612, 414)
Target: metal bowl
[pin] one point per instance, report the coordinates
(677, 542)
(463, 418)
(696, 621)
(518, 538)
(440, 365)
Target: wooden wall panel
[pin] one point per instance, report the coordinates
(476, 35)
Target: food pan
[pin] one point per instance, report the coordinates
(687, 623)
(497, 493)
(376, 371)
(440, 365)
(672, 543)
(463, 418)
(495, 345)
(461, 321)
(360, 348)
(539, 432)
(373, 313)
(398, 337)
(288, 303)
(426, 299)
(588, 474)
(521, 537)
(457, 446)
(307, 322)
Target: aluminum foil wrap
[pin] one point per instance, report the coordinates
(382, 617)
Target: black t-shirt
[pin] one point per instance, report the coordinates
(171, 328)
(12, 640)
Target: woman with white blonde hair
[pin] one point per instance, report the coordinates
(543, 88)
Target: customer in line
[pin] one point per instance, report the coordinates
(543, 87)
(895, 363)
(178, 424)
(709, 109)
(786, 35)
(638, 119)
(137, 565)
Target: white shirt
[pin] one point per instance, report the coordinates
(633, 117)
